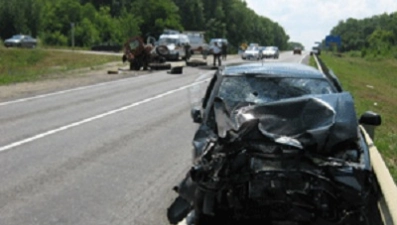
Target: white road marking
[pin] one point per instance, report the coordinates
(303, 58)
(61, 92)
(75, 124)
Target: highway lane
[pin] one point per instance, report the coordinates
(103, 154)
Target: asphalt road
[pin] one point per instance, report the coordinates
(102, 154)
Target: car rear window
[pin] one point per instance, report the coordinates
(253, 48)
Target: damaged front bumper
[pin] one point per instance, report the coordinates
(307, 167)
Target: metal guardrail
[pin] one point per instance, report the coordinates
(387, 203)
(327, 72)
(319, 67)
(388, 200)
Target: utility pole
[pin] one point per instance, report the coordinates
(72, 33)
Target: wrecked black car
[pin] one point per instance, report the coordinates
(277, 144)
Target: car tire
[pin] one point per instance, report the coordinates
(160, 66)
(196, 63)
(162, 50)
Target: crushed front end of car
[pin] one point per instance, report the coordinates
(295, 161)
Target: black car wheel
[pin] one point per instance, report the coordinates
(162, 50)
(160, 66)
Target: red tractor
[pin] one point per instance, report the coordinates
(139, 55)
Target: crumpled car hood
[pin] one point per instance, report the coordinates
(228, 162)
(319, 122)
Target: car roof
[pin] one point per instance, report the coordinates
(19, 36)
(253, 48)
(296, 70)
(173, 36)
(218, 40)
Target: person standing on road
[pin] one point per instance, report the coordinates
(224, 50)
(216, 50)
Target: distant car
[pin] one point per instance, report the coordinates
(271, 52)
(253, 45)
(21, 41)
(261, 49)
(178, 45)
(197, 42)
(315, 51)
(220, 41)
(252, 53)
(297, 50)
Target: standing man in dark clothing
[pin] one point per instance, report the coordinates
(224, 50)
(217, 51)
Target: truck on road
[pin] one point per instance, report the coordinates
(198, 45)
(177, 44)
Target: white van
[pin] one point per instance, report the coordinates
(178, 45)
(197, 41)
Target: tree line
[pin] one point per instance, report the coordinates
(374, 36)
(99, 21)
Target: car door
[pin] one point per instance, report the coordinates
(27, 42)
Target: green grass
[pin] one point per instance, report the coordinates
(312, 62)
(373, 83)
(22, 65)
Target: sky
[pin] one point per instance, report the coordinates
(309, 21)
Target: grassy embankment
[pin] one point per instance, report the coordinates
(373, 83)
(21, 65)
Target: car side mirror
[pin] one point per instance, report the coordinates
(196, 115)
(370, 120)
